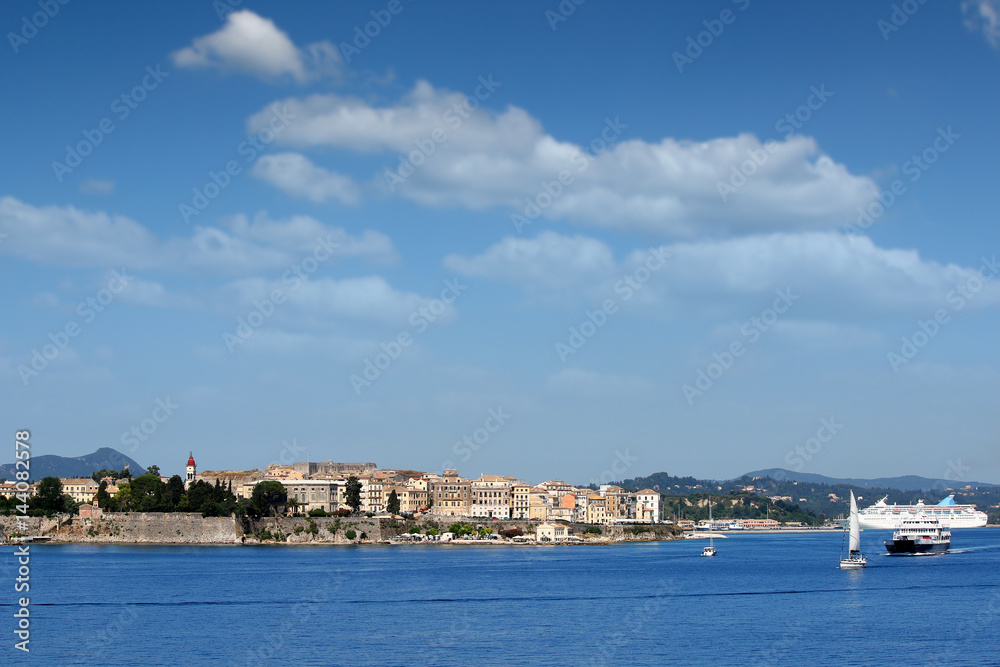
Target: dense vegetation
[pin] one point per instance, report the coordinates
(830, 500)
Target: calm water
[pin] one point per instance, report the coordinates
(764, 600)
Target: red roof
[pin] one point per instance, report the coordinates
(191, 460)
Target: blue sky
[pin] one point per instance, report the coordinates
(567, 241)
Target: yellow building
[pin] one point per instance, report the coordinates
(519, 500)
(538, 504)
(449, 496)
(80, 489)
(597, 509)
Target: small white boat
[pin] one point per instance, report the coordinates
(710, 549)
(855, 559)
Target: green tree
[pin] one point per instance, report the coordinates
(293, 505)
(174, 492)
(123, 499)
(352, 494)
(392, 503)
(153, 470)
(103, 498)
(48, 496)
(269, 495)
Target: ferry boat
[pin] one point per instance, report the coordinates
(736, 525)
(948, 512)
(922, 535)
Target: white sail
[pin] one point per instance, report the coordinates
(855, 543)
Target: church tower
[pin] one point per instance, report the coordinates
(191, 471)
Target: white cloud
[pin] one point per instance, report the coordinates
(484, 158)
(320, 300)
(96, 186)
(66, 236)
(831, 273)
(579, 382)
(983, 16)
(549, 262)
(298, 176)
(254, 45)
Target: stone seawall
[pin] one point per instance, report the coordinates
(185, 528)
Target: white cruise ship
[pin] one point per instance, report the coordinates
(950, 514)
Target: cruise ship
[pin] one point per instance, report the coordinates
(948, 512)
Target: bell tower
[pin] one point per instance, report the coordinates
(191, 471)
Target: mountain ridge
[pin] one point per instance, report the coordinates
(52, 465)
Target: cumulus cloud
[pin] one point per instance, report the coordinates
(829, 272)
(252, 44)
(983, 16)
(316, 301)
(298, 176)
(549, 262)
(66, 236)
(468, 156)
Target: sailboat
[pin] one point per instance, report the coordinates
(855, 559)
(710, 549)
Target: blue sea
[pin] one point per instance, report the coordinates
(766, 599)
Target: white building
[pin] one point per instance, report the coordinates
(647, 506)
(490, 497)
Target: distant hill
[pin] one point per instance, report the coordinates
(903, 483)
(50, 465)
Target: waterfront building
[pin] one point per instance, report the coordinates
(490, 497)
(412, 499)
(310, 494)
(449, 495)
(580, 512)
(647, 506)
(372, 496)
(88, 511)
(560, 514)
(551, 532)
(538, 504)
(597, 509)
(519, 500)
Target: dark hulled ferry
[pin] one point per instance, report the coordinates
(922, 535)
